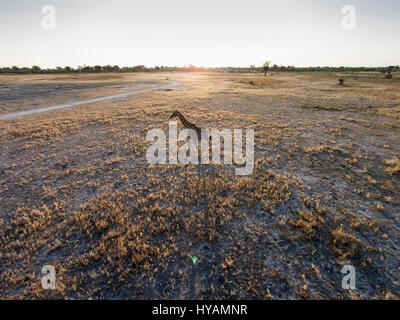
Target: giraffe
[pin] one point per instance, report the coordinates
(186, 123)
(192, 126)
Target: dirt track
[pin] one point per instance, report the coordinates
(82, 102)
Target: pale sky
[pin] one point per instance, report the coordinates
(206, 33)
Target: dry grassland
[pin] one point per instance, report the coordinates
(76, 191)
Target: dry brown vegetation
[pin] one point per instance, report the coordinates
(76, 190)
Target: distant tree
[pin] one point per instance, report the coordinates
(389, 72)
(191, 68)
(35, 69)
(266, 67)
(86, 69)
(252, 68)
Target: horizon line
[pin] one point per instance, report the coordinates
(196, 66)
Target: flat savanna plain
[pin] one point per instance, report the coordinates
(77, 193)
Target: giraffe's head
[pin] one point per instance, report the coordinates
(175, 114)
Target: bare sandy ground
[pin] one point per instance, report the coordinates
(76, 190)
(131, 90)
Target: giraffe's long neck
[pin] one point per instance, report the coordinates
(185, 123)
(188, 124)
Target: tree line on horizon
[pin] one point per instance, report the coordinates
(190, 68)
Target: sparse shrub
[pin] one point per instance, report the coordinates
(266, 67)
(344, 244)
(308, 222)
(393, 167)
(309, 219)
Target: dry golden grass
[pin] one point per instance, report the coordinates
(76, 192)
(393, 166)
